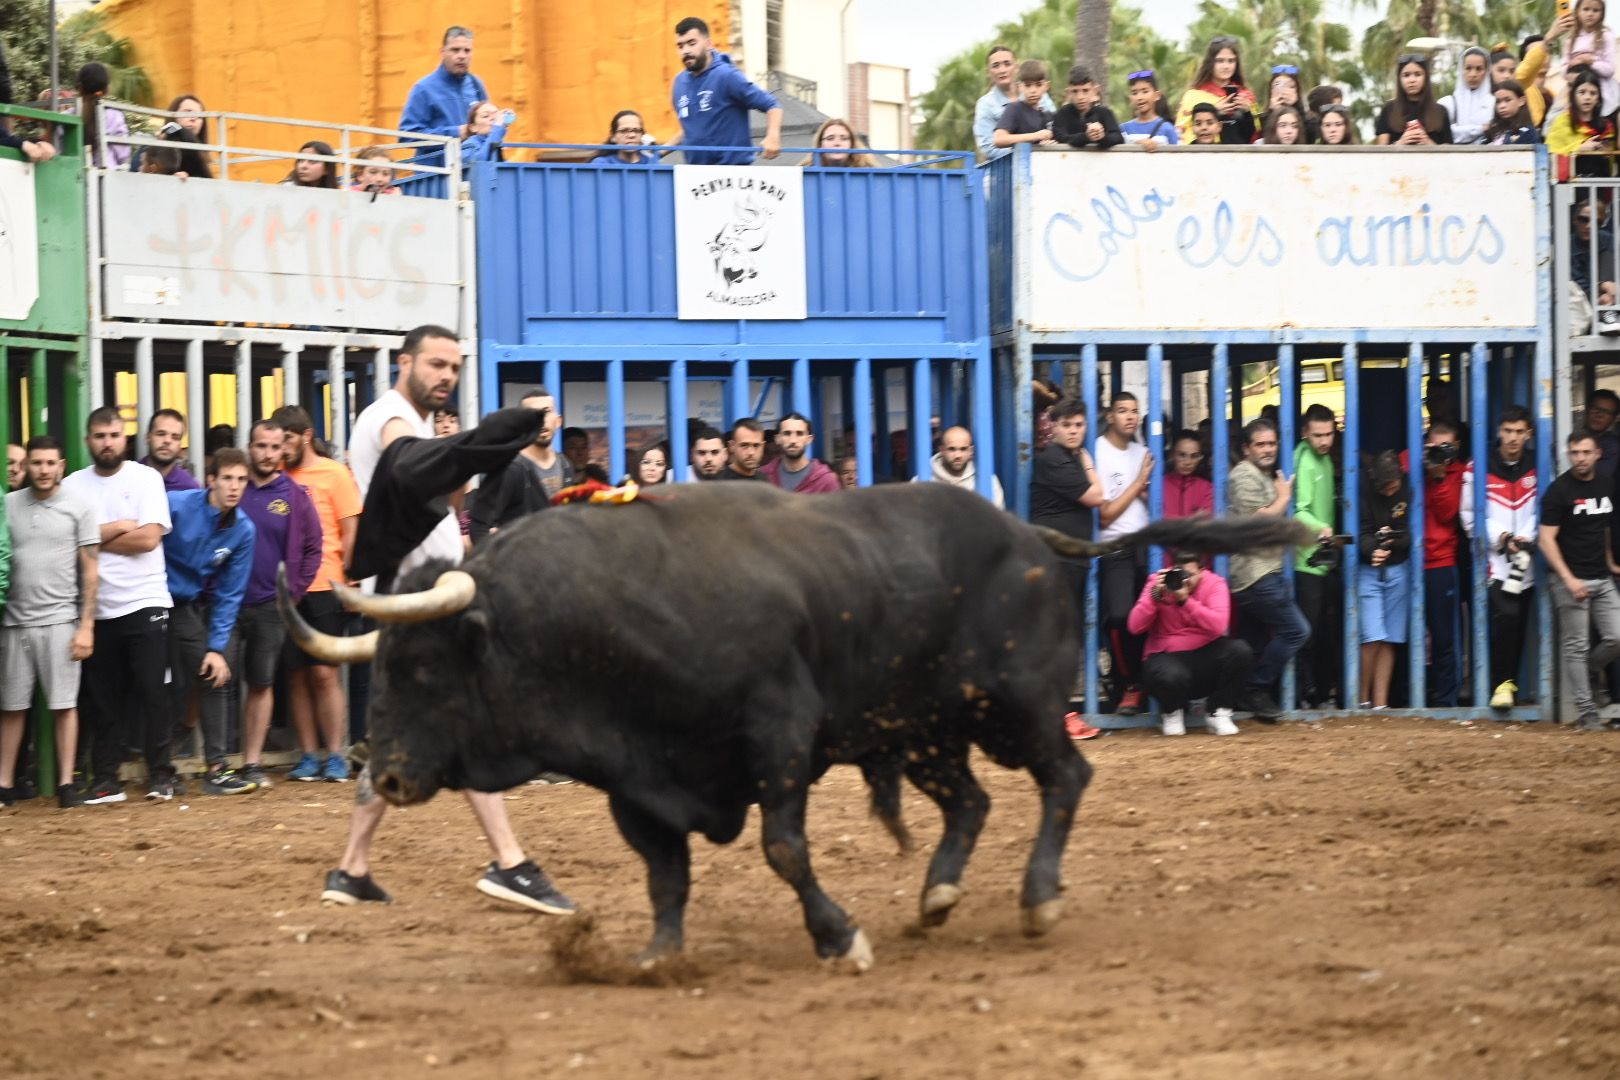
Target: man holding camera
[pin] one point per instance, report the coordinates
(1443, 471)
(1184, 612)
(1510, 530)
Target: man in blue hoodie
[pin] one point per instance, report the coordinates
(440, 101)
(712, 100)
(209, 554)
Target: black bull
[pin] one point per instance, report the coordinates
(718, 646)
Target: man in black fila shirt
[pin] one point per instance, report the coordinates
(1576, 515)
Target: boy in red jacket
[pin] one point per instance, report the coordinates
(1443, 470)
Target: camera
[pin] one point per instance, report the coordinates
(1441, 454)
(1174, 580)
(1326, 554)
(1387, 541)
(1515, 545)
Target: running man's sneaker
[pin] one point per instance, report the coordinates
(103, 792)
(68, 796)
(224, 781)
(336, 769)
(160, 790)
(1077, 727)
(255, 775)
(308, 768)
(1219, 722)
(525, 884)
(343, 888)
(1591, 722)
(1173, 723)
(1503, 697)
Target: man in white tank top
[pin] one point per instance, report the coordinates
(429, 370)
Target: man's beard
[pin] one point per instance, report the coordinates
(108, 457)
(421, 392)
(165, 457)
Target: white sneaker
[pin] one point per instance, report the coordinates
(1171, 723)
(1220, 722)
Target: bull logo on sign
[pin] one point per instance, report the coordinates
(734, 245)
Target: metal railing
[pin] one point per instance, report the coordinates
(882, 159)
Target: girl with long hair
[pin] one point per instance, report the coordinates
(1511, 124)
(1337, 127)
(307, 172)
(839, 136)
(1285, 126)
(1412, 117)
(1581, 135)
(1219, 82)
(92, 85)
(1593, 46)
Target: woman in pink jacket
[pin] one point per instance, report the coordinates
(1184, 612)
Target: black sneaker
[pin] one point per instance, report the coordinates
(69, 796)
(160, 790)
(103, 792)
(525, 884)
(1591, 722)
(343, 888)
(8, 796)
(227, 782)
(255, 775)
(1259, 703)
(25, 789)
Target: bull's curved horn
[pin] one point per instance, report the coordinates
(453, 591)
(334, 650)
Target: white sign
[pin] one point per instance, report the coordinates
(739, 242)
(19, 241)
(231, 251)
(1329, 239)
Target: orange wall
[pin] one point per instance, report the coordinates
(565, 68)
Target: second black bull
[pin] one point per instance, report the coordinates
(724, 645)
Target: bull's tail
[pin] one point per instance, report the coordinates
(1210, 535)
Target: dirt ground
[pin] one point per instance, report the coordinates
(1347, 899)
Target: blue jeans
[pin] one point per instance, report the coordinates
(1267, 605)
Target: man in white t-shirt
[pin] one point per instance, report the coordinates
(1124, 466)
(429, 371)
(123, 699)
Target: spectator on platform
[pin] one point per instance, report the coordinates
(92, 84)
(1321, 97)
(165, 450)
(486, 131)
(652, 465)
(1285, 88)
(287, 531)
(1151, 123)
(1384, 546)
(1002, 63)
(1581, 133)
(209, 556)
(745, 446)
(1602, 408)
(1314, 584)
(846, 151)
(626, 129)
(795, 469)
(1503, 64)
(161, 161)
(576, 447)
(713, 100)
(1532, 70)
(1206, 125)
(124, 699)
(1577, 518)
(1256, 486)
(1412, 117)
(708, 455)
(1471, 106)
(1581, 272)
(1084, 120)
(529, 481)
(1443, 469)
(310, 173)
(441, 100)
(16, 467)
(1186, 494)
(849, 473)
(1337, 127)
(1219, 82)
(1285, 126)
(1024, 121)
(188, 127)
(1510, 125)
(954, 465)
(1592, 46)
(1125, 467)
(377, 179)
(49, 626)
(1184, 612)
(1509, 531)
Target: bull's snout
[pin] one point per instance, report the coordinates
(396, 788)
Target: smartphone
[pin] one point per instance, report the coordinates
(1565, 7)
(1232, 89)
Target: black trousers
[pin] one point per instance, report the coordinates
(1216, 671)
(188, 644)
(122, 690)
(1120, 578)
(1318, 664)
(1510, 617)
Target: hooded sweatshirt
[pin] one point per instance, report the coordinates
(211, 552)
(287, 529)
(969, 479)
(1471, 111)
(713, 109)
(820, 479)
(1510, 507)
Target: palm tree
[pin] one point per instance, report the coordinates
(1092, 24)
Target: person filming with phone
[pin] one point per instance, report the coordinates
(1184, 611)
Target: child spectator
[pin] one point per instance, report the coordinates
(1285, 126)
(1582, 136)
(1503, 63)
(627, 130)
(162, 161)
(1084, 120)
(1592, 47)
(837, 135)
(1023, 120)
(1286, 89)
(1206, 124)
(1471, 106)
(92, 85)
(377, 179)
(1511, 125)
(1150, 124)
(307, 172)
(1336, 128)
(1219, 83)
(486, 130)
(1381, 587)
(1411, 117)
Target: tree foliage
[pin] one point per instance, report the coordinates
(25, 30)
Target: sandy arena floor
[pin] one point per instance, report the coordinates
(1348, 899)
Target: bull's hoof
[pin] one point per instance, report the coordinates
(857, 959)
(652, 956)
(1040, 919)
(937, 904)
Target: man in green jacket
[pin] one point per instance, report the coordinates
(1313, 505)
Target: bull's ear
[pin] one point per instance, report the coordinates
(475, 630)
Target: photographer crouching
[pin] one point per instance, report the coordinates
(1184, 611)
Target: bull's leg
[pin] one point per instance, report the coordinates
(882, 775)
(669, 875)
(1062, 776)
(789, 855)
(950, 783)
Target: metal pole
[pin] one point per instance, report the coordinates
(863, 421)
(1417, 697)
(1088, 393)
(55, 74)
(1350, 696)
(244, 391)
(922, 419)
(196, 413)
(676, 420)
(615, 419)
(143, 389)
(1482, 540)
(1287, 411)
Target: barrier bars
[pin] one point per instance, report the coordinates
(1481, 542)
(1351, 562)
(1088, 391)
(1416, 634)
(1287, 414)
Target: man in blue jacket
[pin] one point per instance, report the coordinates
(209, 555)
(440, 102)
(712, 100)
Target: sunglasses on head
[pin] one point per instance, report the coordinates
(1138, 76)
(1285, 69)
(1413, 58)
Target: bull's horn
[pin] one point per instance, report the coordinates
(334, 650)
(453, 591)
